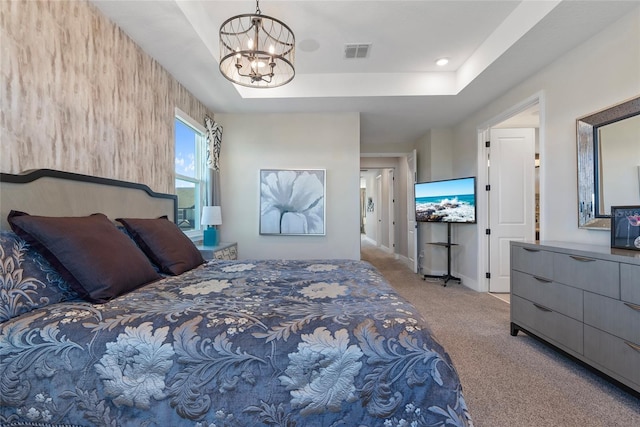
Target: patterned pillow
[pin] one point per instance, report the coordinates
(27, 280)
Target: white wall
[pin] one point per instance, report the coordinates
(435, 162)
(252, 142)
(601, 72)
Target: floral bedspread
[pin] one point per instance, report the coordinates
(233, 343)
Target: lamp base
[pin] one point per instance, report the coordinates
(210, 237)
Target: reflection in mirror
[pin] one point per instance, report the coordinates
(618, 155)
(608, 162)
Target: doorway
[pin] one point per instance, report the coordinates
(508, 162)
(397, 172)
(378, 206)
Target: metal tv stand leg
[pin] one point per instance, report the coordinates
(445, 277)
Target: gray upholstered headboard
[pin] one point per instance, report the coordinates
(55, 193)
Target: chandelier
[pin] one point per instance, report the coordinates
(257, 50)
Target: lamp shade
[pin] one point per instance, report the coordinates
(211, 215)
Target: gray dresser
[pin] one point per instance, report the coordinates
(583, 299)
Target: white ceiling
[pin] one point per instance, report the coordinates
(398, 90)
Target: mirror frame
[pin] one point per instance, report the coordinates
(589, 215)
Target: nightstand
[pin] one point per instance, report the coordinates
(224, 250)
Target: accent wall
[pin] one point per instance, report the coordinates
(80, 96)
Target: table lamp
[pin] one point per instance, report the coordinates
(211, 216)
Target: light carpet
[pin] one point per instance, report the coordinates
(507, 381)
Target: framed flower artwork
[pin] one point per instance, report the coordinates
(625, 227)
(292, 202)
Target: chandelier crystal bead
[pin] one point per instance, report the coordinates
(257, 50)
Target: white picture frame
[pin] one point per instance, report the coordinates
(292, 202)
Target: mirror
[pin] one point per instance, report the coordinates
(608, 162)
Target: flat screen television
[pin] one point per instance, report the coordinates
(449, 200)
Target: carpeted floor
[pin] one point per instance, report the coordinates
(507, 381)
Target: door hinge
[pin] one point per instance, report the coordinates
(487, 231)
(487, 187)
(487, 275)
(487, 144)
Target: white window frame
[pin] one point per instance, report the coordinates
(200, 180)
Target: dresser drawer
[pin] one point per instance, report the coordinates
(630, 283)
(227, 251)
(532, 260)
(558, 297)
(614, 354)
(590, 274)
(613, 316)
(560, 330)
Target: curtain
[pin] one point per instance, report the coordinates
(214, 142)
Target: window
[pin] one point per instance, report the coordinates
(190, 172)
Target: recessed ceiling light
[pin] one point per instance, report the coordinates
(442, 62)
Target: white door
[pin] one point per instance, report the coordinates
(511, 198)
(412, 228)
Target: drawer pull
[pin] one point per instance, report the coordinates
(543, 308)
(632, 306)
(636, 347)
(581, 258)
(542, 279)
(531, 250)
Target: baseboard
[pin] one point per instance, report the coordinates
(406, 261)
(368, 239)
(468, 282)
(431, 272)
(386, 249)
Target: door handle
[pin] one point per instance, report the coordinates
(542, 279)
(636, 347)
(581, 258)
(632, 306)
(541, 307)
(531, 250)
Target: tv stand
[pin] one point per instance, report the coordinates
(445, 277)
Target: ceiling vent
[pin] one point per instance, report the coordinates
(360, 50)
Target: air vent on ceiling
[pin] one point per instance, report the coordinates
(360, 50)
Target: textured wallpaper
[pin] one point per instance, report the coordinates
(79, 95)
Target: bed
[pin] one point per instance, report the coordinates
(222, 343)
